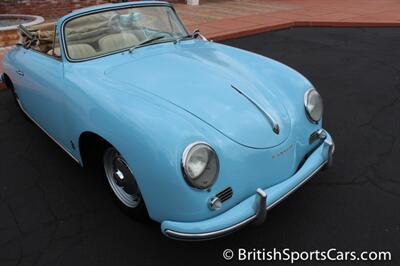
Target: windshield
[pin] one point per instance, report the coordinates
(111, 31)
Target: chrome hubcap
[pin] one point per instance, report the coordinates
(118, 175)
(121, 178)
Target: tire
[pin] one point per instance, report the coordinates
(122, 183)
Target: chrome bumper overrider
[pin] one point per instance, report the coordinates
(259, 205)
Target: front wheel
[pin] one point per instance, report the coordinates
(122, 182)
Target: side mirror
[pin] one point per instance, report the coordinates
(196, 33)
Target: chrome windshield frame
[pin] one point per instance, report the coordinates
(105, 9)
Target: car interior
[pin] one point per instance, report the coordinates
(87, 36)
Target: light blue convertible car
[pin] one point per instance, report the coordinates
(204, 137)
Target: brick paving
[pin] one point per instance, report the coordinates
(224, 19)
(220, 20)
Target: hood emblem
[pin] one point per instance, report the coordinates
(271, 120)
(276, 129)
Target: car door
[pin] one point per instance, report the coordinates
(42, 95)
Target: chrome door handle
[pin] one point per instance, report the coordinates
(19, 72)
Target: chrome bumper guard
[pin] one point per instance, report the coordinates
(260, 205)
(330, 154)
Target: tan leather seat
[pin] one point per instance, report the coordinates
(57, 52)
(76, 51)
(81, 51)
(118, 41)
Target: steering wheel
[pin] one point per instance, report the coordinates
(113, 21)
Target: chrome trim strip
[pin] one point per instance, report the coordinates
(228, 230)
(225, 194)
(271, 120)
(53, 139)
(209, 235)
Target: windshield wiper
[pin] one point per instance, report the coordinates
(145, 42)
(189, 36)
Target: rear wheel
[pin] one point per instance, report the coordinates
(122, 182)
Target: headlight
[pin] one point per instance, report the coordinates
(313, 104)
(200, 165)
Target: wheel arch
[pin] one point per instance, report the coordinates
(91, 148)
(7, 81)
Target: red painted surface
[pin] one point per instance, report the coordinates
(339, 13)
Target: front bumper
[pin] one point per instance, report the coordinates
(254, 208)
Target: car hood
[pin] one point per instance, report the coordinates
(215, 83)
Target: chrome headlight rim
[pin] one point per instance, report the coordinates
(306, 104)
(184, 161)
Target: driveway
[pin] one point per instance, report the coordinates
(54, 213)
